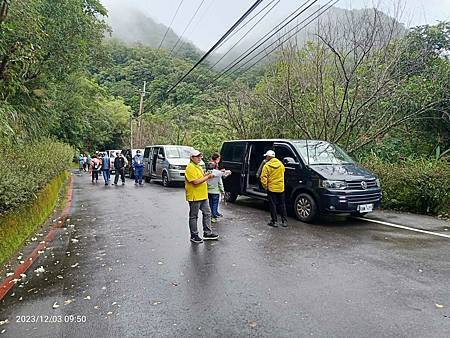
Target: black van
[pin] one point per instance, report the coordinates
(319, 178)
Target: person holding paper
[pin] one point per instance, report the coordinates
(215, 187)
(197, 197)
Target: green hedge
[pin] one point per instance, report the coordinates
(419, 185)
(28, 168)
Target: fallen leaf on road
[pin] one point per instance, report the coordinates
(67, 302)
(9, 274)
(114, 303)
(87, 297)
(34, 239)
(109, 313)
(156, 302)
(75, 265)
(21, 298)
(39, 270)
(3, 322)
(40, 252)
(19, 258)
(174, 284)
(74, 240)
(60, 277)
(252, 324)
(104, 288)
(3, 331)
(96, 307)
(439, 306)
(23, 275)
(55, 305)
(160, 263)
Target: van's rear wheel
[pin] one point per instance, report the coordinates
(305, 208)
(165, 180)
(230, 197)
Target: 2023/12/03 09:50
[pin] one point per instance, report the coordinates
(51, 319)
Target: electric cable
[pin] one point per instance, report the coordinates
(170, 25)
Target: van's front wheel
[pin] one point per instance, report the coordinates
(305, 208)
(165, 180)
(230, 197)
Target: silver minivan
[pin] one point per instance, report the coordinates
(166, 163)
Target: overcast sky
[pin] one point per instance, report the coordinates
(216, 16)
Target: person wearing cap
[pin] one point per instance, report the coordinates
(197, 196)
(138, 167)
(272, 180)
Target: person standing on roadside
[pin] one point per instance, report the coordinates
(197, 197)
(84, 162)
(80, 162)
(95, 168)
(215, 190)
(119, 165)
(106, 168)
(138, 167)
(272, 180)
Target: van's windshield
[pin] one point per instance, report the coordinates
(178, 152)
(321, 152)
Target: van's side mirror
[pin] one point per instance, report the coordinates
(160, 156)
(289, 161)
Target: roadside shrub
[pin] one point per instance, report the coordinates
(28, 168)
(416, 185)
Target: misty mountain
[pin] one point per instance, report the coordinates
(336, 22)
(131, 26)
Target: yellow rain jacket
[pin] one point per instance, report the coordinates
(272, 176)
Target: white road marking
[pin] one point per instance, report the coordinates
(403, 227)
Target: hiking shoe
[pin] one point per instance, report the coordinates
(273, 224)
(196, 239)
(219, 215)
(123, 183)
(213, 219)
(210, 236)
(284, 224)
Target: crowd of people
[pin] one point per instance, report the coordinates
(204, 189)
(101, 162)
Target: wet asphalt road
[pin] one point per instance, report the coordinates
(124, 261)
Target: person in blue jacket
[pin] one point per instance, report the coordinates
(138, 167)
(106, 168)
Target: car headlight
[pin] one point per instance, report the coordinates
(377, 182)
(340, 185)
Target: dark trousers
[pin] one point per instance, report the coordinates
(94, 175)
(119, 172)
(194, 208)
(277, 202)
(138, 171)
(214, 200)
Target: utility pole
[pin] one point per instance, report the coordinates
(141, 111)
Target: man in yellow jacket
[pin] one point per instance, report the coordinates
(272, 180)
(197, 197)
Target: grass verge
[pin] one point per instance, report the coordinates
(16, 226)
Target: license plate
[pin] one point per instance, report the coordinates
(365, 207)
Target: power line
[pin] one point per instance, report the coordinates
(251, 28)
(187, 26)
(271, 34)
(170, 25)
(328, 5)
(231, 29)
(246, 23)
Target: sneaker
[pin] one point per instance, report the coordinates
(219, 215)
(210, 236)
(273, 224)
(213, 219)
(284, 224)
(196, 239)
(123, 183)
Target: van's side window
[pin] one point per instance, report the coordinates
(281, 152)
(161, 152)
(233, 152)
(146, 152)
